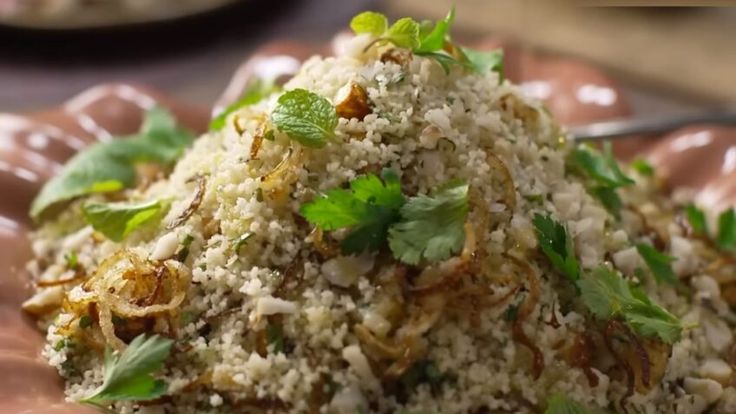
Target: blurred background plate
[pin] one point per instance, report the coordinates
(86, 14)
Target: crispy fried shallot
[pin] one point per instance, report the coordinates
(193, 205)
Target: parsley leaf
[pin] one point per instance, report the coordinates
(368, 209)
(404, 33)
(431, 227)
(117, 220)
(697, 220)
(601, 167)
(369, 22)
(608, 295)
(557, 245)
(604, 172)
(305, 117)
(643, 167)
(256, 90)
(110, 166)
(128, 375)
(659, 264)
(727, 230)
(561, 404)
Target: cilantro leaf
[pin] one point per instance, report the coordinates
(696, 218)
(128, 374)
(601, 167)
(643, 167)
(369, 22)
(727, 230)
(110, 166)
(561, 404)
(117, 220)
(484, 61)
(608, 295)
(609, 198)
(368, 208)
(445, 60)
(557, 245)
(434, 40)
(404, 33)
(256, 90)
(431, 227)
(305, 117)
(659, 264)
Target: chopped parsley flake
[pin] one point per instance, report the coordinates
(726, 239)
(696, 218)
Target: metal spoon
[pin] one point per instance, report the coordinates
(622, 128)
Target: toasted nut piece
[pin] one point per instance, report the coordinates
(352, 102)
(710, 390)
(716, 369)
(44, 301)
(398, 56)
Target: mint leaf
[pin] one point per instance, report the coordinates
(368, 209)
(727, 230)
(369, 22)
(557, 245)
(696, 218)
(110, 166)
(128, 375)
(257, 90)
(404, 33)
(117, 220)
(659, 264)
(484, 62)
(561, 404)
(643, 167)
(305, 117)
(608, 295)
(434, 40)
(431, 227)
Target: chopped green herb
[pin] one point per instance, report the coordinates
(696, 218)
(643, 167)
(241, 240)
(60, 345)
(369, 22)
(117, 220)
(269, 135)
(423, 372)
(305, 117)
(605, 173)
(557, 245)
(183, 252)
(434, 39)
(404, 33)
(727, 230)
(72, 261)
(484, 61)
(110, 166)
(511, 313)
(275, 337)
(534, 198)
(431, 227)
(128, 374)
(85, 321)
(561, 404)
(609, 296)
(370, 206)
(256, 91)
(659, 264)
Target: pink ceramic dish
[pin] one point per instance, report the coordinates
(33, 148)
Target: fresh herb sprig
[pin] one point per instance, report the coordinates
(604, 174)
(557, 245)
(428, 39)
(305, 117)
(659, 264)
(118, 220)
(609, 296)
(128, 375)
(429, 227)
(110, 166)
(725, 235)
